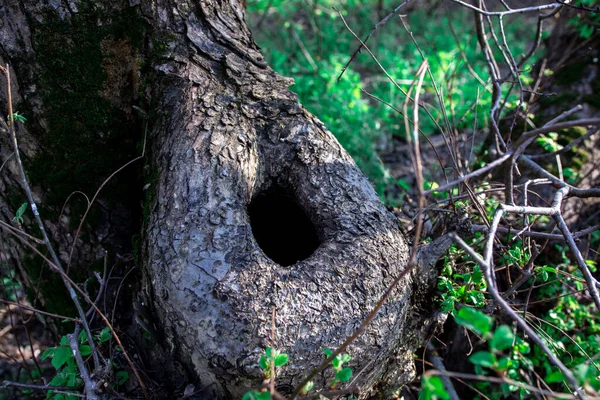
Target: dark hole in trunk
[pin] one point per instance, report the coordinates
(281, 228)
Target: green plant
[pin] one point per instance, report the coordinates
(19, 214)
(253, 395)
(342, 374)
(432, 388)
(63, 361)
(466, 288)
(17, 117)
(271, 355)
(586, 22)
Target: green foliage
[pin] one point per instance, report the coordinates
(10, 285)
(342, 374)
(314, 46)
(432, 388)
(271, 355)
(467, 288)
(571, 328)
(586, 22)
(17, 117)
(257, 396)
(474, 320)
(63, 361)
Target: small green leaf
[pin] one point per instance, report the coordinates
(555, 377)
(474, 320)
(85, 350)
(270, 353)
(327, 352)
(432, 387)
(503, 338)
(82, 337)
(18, 117)
(19, 214)
(308, 387)
(122, 377)
(483, 358)
(263, 363)
(345, 358)
(48, 353)
(344, 374)
(59, 379)
(64, 341)
(477, 275)
(104, 335)
(281, 359)
(61, 356)
(448, 304)
(404, 184)
(72, 379)
(336, 362)
(503, 364)
(257, 396)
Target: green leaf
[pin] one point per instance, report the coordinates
(483, 358)
(61, 356)
(19, 214)
(59, 379)
(432, 387)
(328, 352)
(503, 364)
(345, 358)
(122, 377)
(555, 377)
(477, 275)
(18, 117)
(270, 353)
(474, 320)
(48, 353)
(308, 387)
(64, 341)
(257, 396)
(82, 337)
(503, 338)
(344, 374)
(404, 184)
(104, 335)
(85, 350)
(448, 304)
(72, 379)
(263, 363)
(336, 362)
(281, 359)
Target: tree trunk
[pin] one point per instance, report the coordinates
(252, 203)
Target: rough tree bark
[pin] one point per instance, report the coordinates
(252, 203)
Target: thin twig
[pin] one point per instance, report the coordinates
(377, 26)
(57, 389)
(40, 223)
(500, 380)
(35, 310)
(88, 383)
(89, 301)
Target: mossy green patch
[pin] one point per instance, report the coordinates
(88, 81)
(88, 72)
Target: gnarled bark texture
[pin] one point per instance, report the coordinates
(242, 175)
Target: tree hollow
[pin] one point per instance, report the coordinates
(281, 227)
